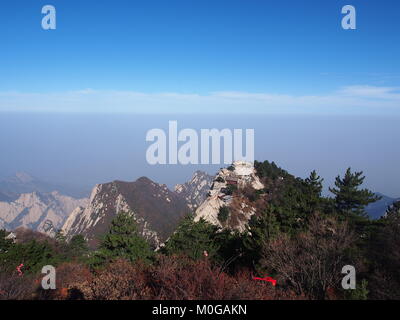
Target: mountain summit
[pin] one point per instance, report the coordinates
(195, 191)
(226, 195)
(156, 209)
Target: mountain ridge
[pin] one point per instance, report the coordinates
(11, 187)
(156, 209)
(43, 212)
(378, 209)
(195, 190)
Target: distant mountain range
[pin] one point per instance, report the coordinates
(378, 209)
(29, 202)
(158, 210)
(44, 212)
(13, 186)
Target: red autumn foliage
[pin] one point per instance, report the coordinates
(67, 276)
(173, 278)
(15, 287)
(170, 278)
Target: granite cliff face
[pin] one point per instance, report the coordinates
(226, 191)
(195, 191)
(43, 212)
(156, 209)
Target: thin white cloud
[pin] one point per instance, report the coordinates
(352, 99)
(391, 93)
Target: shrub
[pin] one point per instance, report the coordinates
(119, 280)
(177, 278)
(384, 254)
(223, 214)
(15, 287)
(69, 276)
(229, 189)
(311, 262)
(170, 278)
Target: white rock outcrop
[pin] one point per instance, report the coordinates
(241, 174)
(195, 191)
(43, 212)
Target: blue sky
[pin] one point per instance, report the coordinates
(186, 56)
(281, 59)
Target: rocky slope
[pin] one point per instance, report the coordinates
(226, 191)
(44, 212)
(156, 209)
(195, 191)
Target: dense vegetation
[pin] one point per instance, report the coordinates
(297, 236)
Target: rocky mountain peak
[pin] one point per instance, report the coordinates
(226, 191)
(156, 209)
(43, 212)
(195, 191)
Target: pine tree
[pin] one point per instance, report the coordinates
(32, 254)
(267, 226)
(77, 246)
(4, 243)
(393, 212)
(124, 241)
(314, 182)
(193, 239)
(314, 186)
(349, 199)
(223, 214)
(60, 237)
(262, 230)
